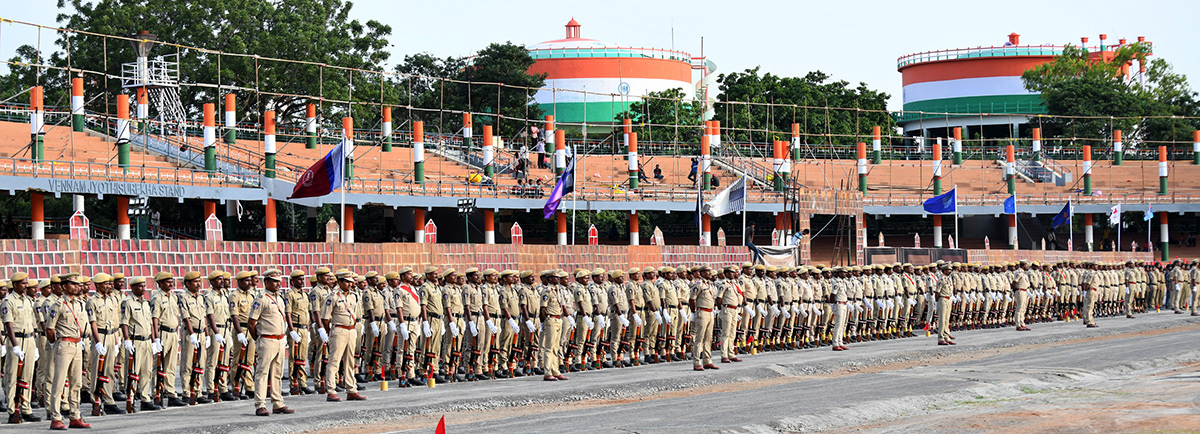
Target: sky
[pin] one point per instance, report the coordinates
(855, 41)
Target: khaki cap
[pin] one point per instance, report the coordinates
(615, 274)
(19, 276)
(405, 270)
(191, 275)
(561, 273)
(162, 275)
(344, 274)
(102, 278)
(598, 272)
(392, 275)
(525, 273)
(747, 265)
(216, 274)
(297, 273)
(245, 274)
(648, 270)
(323, 270)
(312, 279)
(446, 272)
(634, 270)
(430, 269)
(471, 270)
(507, 273)
(274, 274)
(582, 273)
(118, 276)
(136, 280)
(760, 267)
(371, 274)
(56, 278)
(358, 278)
(490, 271)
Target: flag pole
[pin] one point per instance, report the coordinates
(574, 199)
(957, 239)
(1071, 224)
(1118, 248)
(744, 208)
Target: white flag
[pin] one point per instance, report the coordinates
(732, 199)
(1114, 216)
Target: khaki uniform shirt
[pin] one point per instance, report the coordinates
(298, 307)
(270, 314)
(704, 294)
(67, 318)
(192, 310)
(342, 309)
(18, 310)
(137, 316)
(166, 308)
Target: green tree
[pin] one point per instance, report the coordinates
(319, 32)
(655, 117)
(763, 108)
(1089, 92)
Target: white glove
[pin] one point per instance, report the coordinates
(879, 303)
(690, 316)
(101, 349)
(20, 353)
(528, 324)
(638, 319)
(602, 321)
(220, 338)
(128, 347)
(762, 310)
(891, 304)
(1008, 296)
(541, 327)
(570, 325)
(36, 355)
(658, 317)
(403, 331)
(425, 327)
(156, 346)
(624, 320)
(774, 310)
(787, 314)
(194, 338)
(454, 329)
(241, 337)
(207, 341)
(295, 336)
(750, 311)
(912, 302)
(392, 326)
(513, 325)
(474, 328)
(324, 334)
(817, 309)
(491, 325)
(374, 329)
(590, 324)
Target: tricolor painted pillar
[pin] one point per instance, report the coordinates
(1088, 235)
(1196, 147)
(272, 231)
(1037, 144)
(77, 118)
(560, 151)
(348, 230)
(706, 229)
(143, 108)
(1012, 230)
(387, 129)
(626, 130)
(419, 153)
(468, 132)
(1162, 170)
(937, 167)
(779, 150)
(937, 231)
(560, 223)
(37, 225)
(269, 142)
(230, 119)
(552, 139)
(1164, 237)
(37, 123)
(876, 145)
(489, 166)
(210, 138)
(862, 167)
(1010, 169)
(716, 134)
(1118, 151)
(348, 134)
(123, 217)
(795, 142)
(310, 126)
(634, 230)
(705, 162)
(1087, 170)
(958, 145)
(633, 160)
(123, 125)
(419, 225)
(489, 226)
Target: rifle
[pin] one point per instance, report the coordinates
(493, 354)
(587, 347)
(321, 388)
(197, 371)
(297, 367)
(161, 381)
(601, 348)
(391, 366)
(98, 392)
(222, 368)
(21, 387)
(130, 378)
(242, 368)
(660, 339)
(639, 341)
(455, 357)
(377, 354)
(429, 358)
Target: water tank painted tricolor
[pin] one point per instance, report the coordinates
(614, 76)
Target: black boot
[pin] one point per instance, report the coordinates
(149, 406)
(175, 402)
(118, 396)
(113, 409)
(228, 396)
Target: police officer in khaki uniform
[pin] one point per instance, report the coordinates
(165, 305)
(316, 300)
(19, 316)
(105, 317)
(339, 317)
(240, 303)
(531, 302)
(216, 312)
(408, 311)
(193, 323)
(703, 298)
(299, 316)
(730, 299)
(137, 327)
(554, 299)
(268, 322)
(944, 293)
(64, 328)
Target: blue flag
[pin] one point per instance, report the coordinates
(565, 185)
(1063, 217)
(1149, 214)
(943, 204)
(1010, 205)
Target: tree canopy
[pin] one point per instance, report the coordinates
(1092, 91)
(655, 117)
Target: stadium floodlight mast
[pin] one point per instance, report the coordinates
(466, 207)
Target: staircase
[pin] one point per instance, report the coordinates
(1045, 170)
(1033, 230)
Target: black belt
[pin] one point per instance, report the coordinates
(492, 315)
(166, 329)
(378, 318)
(103, 331)
(20, 335)
(760, 300)
(671, 306)
(434, 315)
(456, 315)
(475, 313)
(219, 326)
(410, 318)
(244, 325)
(299, 325)
(140, 338)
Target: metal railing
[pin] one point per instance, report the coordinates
(1032, 199)
(978, 52)
(116, 172)
(567, 53)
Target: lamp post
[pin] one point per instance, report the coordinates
(466, 207)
